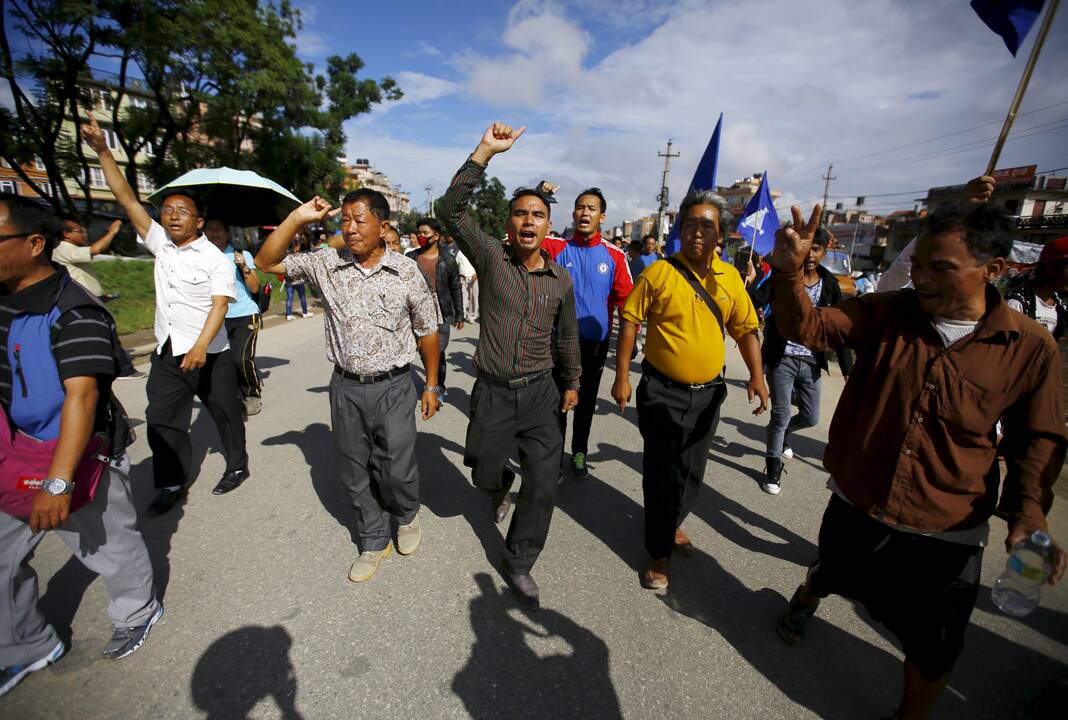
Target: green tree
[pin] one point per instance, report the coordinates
(488, 208)
(226, 84)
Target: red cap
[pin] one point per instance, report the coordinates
(1055, 250)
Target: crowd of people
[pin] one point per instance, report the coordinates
(933, 371)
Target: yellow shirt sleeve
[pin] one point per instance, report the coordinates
(636, 308)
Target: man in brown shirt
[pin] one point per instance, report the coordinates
(528, 327)
(912, 448)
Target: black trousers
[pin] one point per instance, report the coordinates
(593, 356)
(170, 409)
(243, 333)
(501, 420)
(677, 425)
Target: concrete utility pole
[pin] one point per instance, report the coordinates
(429, 201)
(826, 189)
(663, 196)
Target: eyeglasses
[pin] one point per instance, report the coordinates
(9, 236)
(168, 211)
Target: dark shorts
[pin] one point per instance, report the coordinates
(922, 589)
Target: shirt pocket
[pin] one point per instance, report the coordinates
(543, 312)
(388, 312)
(969, 412)
(194, 283)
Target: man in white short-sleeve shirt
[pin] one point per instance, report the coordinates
(194, 286)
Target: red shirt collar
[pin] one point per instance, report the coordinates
(590, 241)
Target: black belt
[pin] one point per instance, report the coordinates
(371, 377)
(514, 383)
(648, 369)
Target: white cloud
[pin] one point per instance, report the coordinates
(7, 100)
(419, 88)
(309, 43)
(800, 88)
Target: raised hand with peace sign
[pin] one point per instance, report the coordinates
(792, 242)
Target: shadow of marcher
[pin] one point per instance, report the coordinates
(832, 673)
(316, 443)
(539, 665)
(242, 668)
(731, 519)
(806, 450)
(445, 491)
(264, 362)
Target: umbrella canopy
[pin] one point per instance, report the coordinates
(237, 197)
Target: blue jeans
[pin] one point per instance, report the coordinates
(791, 375)
(299, 290)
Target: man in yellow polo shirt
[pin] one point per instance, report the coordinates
(690, 302)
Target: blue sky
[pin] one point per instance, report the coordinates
(602, 84)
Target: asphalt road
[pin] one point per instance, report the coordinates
(261, 621)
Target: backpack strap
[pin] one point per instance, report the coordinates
(700, 290)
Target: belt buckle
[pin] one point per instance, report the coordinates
(366, 379)
(698, 386)
(519, 383)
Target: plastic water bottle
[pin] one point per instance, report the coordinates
(1017, 590)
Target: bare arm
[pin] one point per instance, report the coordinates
(429, 351)
(248, 274)
(115, 179)
(75, 427)
(749, 347)
(269, 258)
(621, 389)
(104, 242)
(198, 354)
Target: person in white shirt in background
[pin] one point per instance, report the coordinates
(469, 286)
(1040, 294)
(75, 253)
(195, 285)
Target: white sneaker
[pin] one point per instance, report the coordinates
(308, 315)
(290, 317)
(13, 675)
(770, 488)
(787, 452)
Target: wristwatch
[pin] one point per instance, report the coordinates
(57, 486)
(433, 388)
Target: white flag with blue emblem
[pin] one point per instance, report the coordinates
(757, 227)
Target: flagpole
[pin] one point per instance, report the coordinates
(1042, 32)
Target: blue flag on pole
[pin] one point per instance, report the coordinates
(1011, 19)
(757, 227)
(704, 178)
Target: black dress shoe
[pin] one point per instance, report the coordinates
(501, 500)
(230, 481)
(525, 589)
(166, 500)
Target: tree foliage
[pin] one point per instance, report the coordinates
(488, 207)
(225, 82)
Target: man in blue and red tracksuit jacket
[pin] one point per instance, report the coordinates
(602, 282)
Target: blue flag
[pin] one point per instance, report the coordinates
(704, 178)
(757, 227)
(1011, 19)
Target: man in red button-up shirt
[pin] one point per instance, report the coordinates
(912, 448)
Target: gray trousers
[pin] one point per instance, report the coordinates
(791, 375)
(374, 445)
(104, 536)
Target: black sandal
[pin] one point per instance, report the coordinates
(794, 621)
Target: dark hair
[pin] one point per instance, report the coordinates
(646, 237)
(373, 199)
(596, 192)
(707, 197)
(189, 194)
(432, 223)
(985, 230)
(822, 237)
(635, 245)
(31, 217)
(529, 192)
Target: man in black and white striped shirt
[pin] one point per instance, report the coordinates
(61, 394)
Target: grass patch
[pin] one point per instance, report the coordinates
(133, 281)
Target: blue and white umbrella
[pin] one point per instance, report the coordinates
(237, 197)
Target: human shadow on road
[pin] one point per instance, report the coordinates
(806, 450)
(535, 665)
(731, 520)
(833, 673)
(446, 492)
(242, 668)
(316, 443)
(266, 362)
